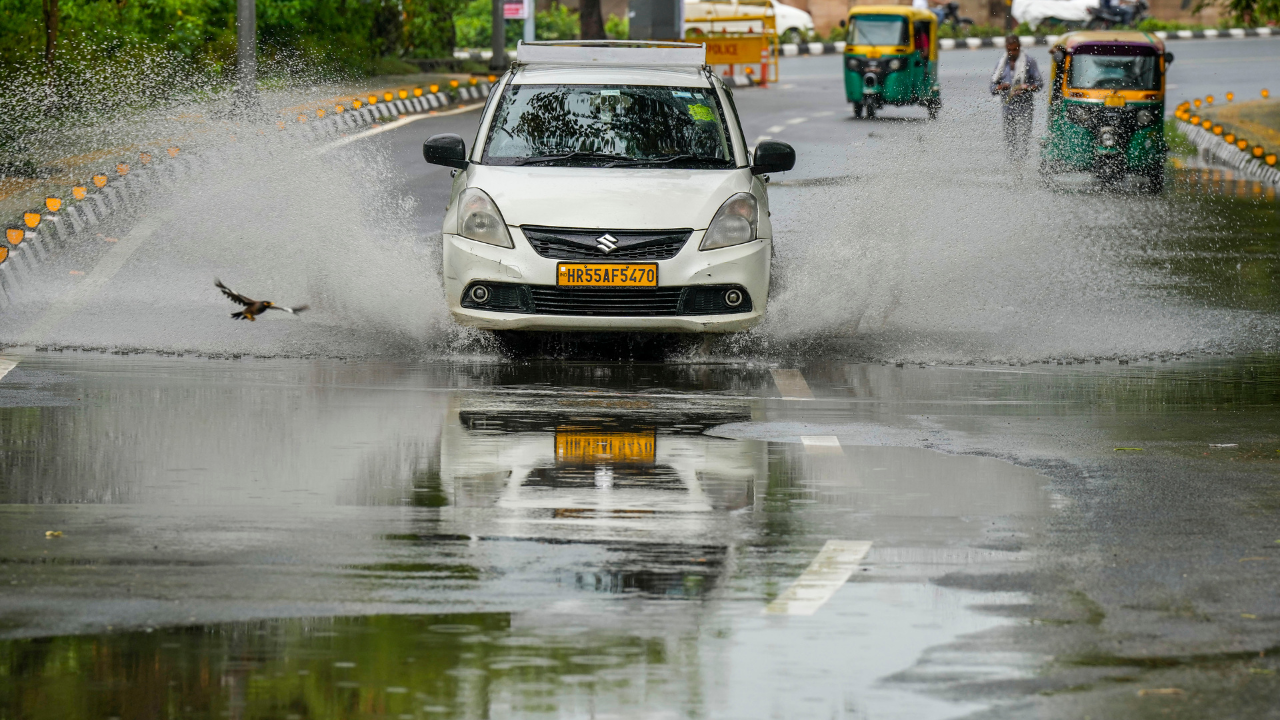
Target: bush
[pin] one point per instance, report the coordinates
(557, 23)
(976, 31)
(393, 66)
(475, 25)
(616, 28)
(1178, 143)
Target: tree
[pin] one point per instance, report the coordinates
(50, 30)
(1248, 12)
(429, 28)
(592, 20)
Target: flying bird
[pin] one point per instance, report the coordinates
(253, 308)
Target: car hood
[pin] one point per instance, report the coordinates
(608, 198)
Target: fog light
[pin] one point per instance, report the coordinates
(480, 294)
(1107, 136)
(733, 298)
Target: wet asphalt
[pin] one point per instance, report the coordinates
(805, 532)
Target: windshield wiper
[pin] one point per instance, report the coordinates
(666, 159)
(590, 155)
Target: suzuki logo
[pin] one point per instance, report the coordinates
(607, 243)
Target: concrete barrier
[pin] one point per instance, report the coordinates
(56, 231)
(795, 49)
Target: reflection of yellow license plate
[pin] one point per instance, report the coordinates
(610, 275)
(596, 447)
(1114, 101)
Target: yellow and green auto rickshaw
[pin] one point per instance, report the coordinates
(891, 58)
(1106, 107)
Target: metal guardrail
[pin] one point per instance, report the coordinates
(1224, 144)
(38, 233)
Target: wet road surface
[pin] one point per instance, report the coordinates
(334, 539)
(966, 485)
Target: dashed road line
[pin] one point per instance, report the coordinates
(797, 121)
(821, 444)
(829, 570)
(776, 128)
(7, 364)
(92, 283)
(791, 384)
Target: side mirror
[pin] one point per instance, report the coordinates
(1168, 59)
(843, 23)
(445, 149)
(1059, 56)
(773, 156)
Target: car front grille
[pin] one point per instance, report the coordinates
(607, 302)
(581, 244)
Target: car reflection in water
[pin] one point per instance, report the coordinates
(640, 481)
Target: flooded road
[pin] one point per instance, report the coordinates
(263, 538)
(998, 451)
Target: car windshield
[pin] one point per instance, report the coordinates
(877, 30)
(1111, 72)
(609, 126)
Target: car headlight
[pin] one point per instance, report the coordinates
(1145, 117)
(1107, 136)
(895, 64)
(1078, 114)
(734, 223)
(852, 63)
(479, 219)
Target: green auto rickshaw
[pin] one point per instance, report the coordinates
(891, 58)
(1106, 107)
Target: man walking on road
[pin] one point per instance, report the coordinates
(1016, 80)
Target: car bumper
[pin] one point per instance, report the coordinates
(745, 266)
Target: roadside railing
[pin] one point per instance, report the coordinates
(33, 235)
(1225, 142)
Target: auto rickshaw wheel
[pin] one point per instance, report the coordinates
(933, 105)
(1155, 180)
(871, 110)
(857, 109)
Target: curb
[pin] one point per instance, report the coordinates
(1213, 146)
(40, 232)
(815, 48)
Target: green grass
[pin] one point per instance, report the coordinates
(1178, 143)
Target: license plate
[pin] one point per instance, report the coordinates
(1114, 101)
(577, 447)
(607, 275)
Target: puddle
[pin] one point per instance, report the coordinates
(734, 665)
(447, 541)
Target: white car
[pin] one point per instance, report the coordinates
(792, 23)
(609, 188)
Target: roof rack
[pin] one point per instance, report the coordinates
(628, 53)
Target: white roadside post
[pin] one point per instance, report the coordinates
(246, 52)
(530, 10)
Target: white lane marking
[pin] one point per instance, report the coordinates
(7, 364)
(776, 128)
(759, 139)
(791, 384)
(825, 113)
(797, 121)
(396, 124)
(821, 443)
(829, 570)
(93, 282)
